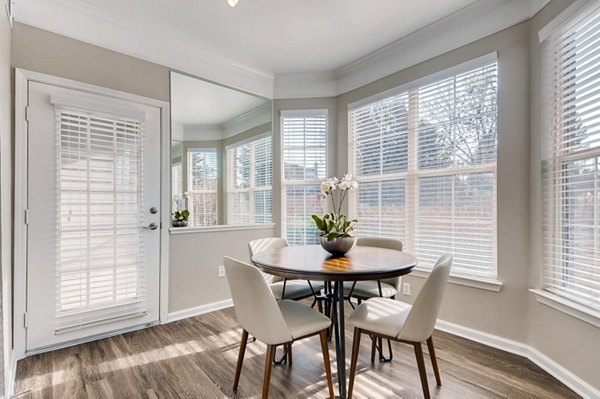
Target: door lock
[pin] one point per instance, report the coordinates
(153, 210)
(152, 226)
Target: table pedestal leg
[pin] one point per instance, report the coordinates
(340, 336)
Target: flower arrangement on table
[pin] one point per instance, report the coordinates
(180, 216)
(335, 227)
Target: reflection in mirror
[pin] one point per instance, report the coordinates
(221, 154)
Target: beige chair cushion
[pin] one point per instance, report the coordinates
(295, 289)
(302, 320)
(381, 315)
(369, 289)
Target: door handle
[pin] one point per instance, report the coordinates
(151, 226)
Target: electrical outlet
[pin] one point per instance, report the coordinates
(221, 272)
(406, 289)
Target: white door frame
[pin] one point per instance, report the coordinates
(22, 78)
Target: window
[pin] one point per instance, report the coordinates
(202, 186)
(304, 165)
(425, 160)
(249, 182)
(571, 160)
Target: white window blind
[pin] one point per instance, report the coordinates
(571, 164)
(425, 160)
(100, 247)
(249, 182)
(304, 165)
(202, 186)
(177, 179)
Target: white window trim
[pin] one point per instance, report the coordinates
(300, 113)
(190, 176)
(411, 177)
(567, 306)
(481, 283)
(577, 11)
(252, 188)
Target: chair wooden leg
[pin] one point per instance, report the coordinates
(373, 348)
(354, 361)
(238, 368)
(268, 367)
(326, 362)
(289, 353)
(436, 371)
(422, 371)
(320, 305)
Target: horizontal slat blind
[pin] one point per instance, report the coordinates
(250, 177)
(571, 171)
(425, 160)
(202, 186)
(304, 161)
(99, 275)
(457, 142)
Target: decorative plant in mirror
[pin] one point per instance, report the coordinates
(180, 214)
(336, 229)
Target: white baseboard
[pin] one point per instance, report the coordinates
(578, 385)
(198, 310)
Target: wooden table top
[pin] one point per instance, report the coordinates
(311, 262)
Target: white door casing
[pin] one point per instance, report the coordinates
(49, 324)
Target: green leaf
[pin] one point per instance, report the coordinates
(321, 225)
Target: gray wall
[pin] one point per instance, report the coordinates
(570, 342)
(5, 194)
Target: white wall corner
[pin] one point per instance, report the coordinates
(559, 372)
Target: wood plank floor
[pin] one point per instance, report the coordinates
(195, 358)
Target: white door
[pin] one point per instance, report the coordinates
(92, 237)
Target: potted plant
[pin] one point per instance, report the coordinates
(179, 218)
(336, 229)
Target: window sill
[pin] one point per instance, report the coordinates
(567, 306)
(481, 283)
(219, 228)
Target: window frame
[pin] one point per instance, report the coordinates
(191, 192)
(252, 187)
(556, 156)
(413, 172)
(306, 183)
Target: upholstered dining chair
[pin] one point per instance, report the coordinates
(290, 288)
(384, 288)
(270, 321)
(398, 321)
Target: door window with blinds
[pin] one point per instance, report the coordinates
(571, 159)
(99, 244)
(249, 181)
(304, 166)
(425, 159)
(202, 186)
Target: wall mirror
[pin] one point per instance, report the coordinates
(221, 155)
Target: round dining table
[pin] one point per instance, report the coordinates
(311, 262)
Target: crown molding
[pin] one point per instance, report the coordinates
(470, 24)
(95, 26)
(248, 120)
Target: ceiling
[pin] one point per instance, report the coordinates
(197, 102)
(252, 45)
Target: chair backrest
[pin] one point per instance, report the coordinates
(388, 243)
(422, 316)
(262, 244)
(255, 306)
